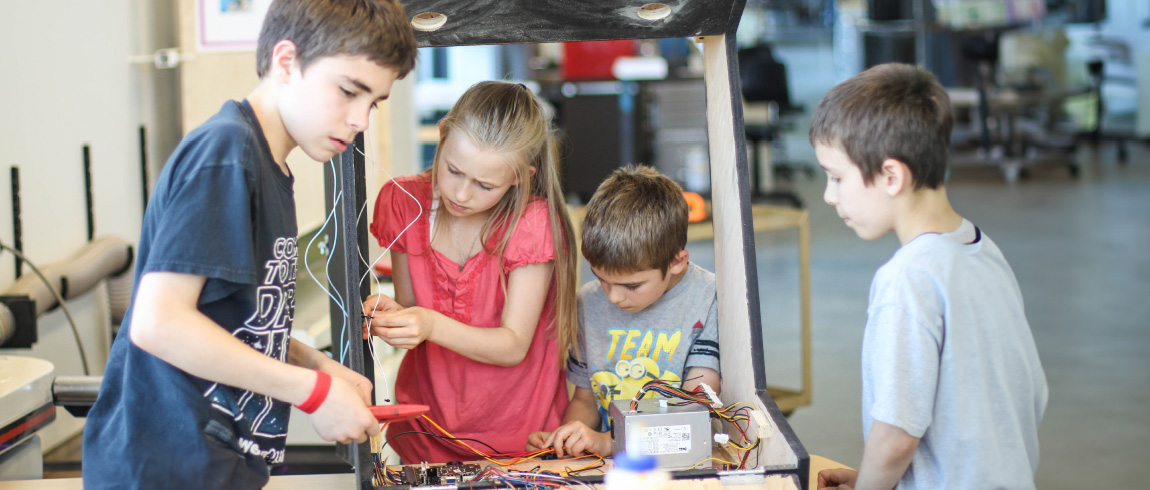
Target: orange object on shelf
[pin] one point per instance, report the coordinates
(696, 207)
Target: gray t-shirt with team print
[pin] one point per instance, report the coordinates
(620, 351)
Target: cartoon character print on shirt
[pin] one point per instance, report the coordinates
(268, 330)
(638, 356)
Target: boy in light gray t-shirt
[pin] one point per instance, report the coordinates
(970, 386)
(953, 390)
(652, 314)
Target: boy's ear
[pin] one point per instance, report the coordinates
(284, 60)
(679, 263)
(895, 176)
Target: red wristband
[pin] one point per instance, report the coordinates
(318, 394)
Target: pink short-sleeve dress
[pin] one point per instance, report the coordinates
(497, 405)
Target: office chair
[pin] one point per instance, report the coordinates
(764, 81)
(1119, 133)
(1016, 137)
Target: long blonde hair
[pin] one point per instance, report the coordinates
(506, 117)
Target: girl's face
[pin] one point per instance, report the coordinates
(471, 179)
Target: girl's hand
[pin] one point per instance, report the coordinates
(374, 305)
(406, 328)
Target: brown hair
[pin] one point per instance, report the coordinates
(508, 118)
(636, 221)
(377, 29)
(889, 111)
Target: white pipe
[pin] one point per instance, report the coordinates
(104, 257)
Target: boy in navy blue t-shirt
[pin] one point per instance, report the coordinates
(198, 385)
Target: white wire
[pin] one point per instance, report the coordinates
(368, 271)
(368, 155)
(409, 225)
(307, 265)
(341, 302)
(332, 292)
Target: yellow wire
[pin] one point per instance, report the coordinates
(733, 408)
(741, 448)
(598, 459)
(712, 459)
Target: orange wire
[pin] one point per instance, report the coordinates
(455, 440)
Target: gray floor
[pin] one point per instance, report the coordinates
(1078, 248)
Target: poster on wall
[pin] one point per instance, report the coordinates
(229, 25)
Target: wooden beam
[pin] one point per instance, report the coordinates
(541, 21)
(735, 264)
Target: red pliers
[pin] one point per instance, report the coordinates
(398, 412)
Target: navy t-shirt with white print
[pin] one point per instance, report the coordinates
(222, 209)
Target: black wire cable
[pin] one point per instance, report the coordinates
(59, 299)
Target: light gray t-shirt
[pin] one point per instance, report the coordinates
(624, 350)
(948, 356)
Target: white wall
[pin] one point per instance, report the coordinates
(466, 66)
(1126, 23)
(66, 80)
(1125, 19)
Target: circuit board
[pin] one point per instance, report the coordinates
(446, 474)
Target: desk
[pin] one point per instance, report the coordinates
(1006, 101)
(347, 480)
(775, 218)
(292, 482)
(819, 463)
(1009, 147)
(766, 218)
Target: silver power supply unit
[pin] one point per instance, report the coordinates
(678, 436)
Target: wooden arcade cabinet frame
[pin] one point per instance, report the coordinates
(712, 23)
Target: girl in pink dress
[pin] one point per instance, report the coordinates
(484, 262)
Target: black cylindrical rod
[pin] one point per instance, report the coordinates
(17, 227)
(88, 191)
(144, 164)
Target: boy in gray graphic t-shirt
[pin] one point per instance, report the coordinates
(651, 314)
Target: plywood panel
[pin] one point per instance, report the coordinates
(734, 252)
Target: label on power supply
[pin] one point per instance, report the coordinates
(667, 439)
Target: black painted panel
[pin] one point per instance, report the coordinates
(536, 21)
